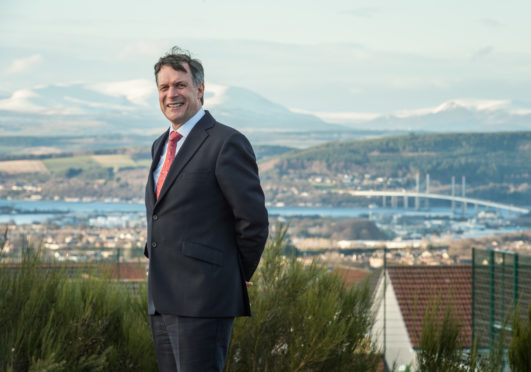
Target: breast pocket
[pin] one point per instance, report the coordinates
(201, 173)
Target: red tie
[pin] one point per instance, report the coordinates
(170, 155)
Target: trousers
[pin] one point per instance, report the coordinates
(186, 344)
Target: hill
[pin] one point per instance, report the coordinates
(39, 172)
(496, 165)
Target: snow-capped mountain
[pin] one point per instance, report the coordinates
(459, 115)
(249, 111)
(132, 106)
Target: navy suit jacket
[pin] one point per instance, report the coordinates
(207, 230)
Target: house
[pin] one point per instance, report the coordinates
(402, 295)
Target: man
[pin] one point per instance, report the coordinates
(206, 224)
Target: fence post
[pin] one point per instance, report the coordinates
(492, 297)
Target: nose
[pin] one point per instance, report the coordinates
(173, 91)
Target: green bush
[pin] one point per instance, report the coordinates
(520, 346)
(304, 319)
(440, 346)
(52, 322)
(441, 350)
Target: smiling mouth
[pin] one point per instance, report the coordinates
(175, 105)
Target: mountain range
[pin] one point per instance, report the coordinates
(96, 109)
(457, 115)
(82, 109)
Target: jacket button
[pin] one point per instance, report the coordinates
(155, 217)
(154, 244)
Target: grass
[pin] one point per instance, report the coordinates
(143, 163)
(61, 165)
(93, 162)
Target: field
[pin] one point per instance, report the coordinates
(61, 165)
(116, 161)
(22, 166)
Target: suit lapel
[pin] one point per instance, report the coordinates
(157, 152)
(192, 143)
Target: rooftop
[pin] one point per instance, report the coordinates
(416, 287)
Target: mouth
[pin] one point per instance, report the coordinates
(175, 105)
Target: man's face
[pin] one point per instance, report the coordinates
(178, 97)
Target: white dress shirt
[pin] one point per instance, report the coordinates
(184, 130)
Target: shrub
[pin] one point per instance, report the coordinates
(520, 346)
(52, 321)
(440, 346)
(304, 319)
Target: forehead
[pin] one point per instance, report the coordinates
(169, 74)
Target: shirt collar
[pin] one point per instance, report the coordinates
(187, 127)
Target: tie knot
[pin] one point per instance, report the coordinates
(174, 136)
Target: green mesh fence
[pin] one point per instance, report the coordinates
(499, 280)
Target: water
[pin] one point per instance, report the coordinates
(28, 211)
(405, 223)
(337, 212)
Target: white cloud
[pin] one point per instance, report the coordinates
(136, 91)
(24, 64)
(103, 106)
(414, 82)
(491, 22)
(365, 12)
(139, 48)
(482, 52)
(353, 90)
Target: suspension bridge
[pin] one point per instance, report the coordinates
(417, 196)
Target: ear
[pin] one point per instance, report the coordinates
(200, 91)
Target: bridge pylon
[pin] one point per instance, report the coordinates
(453, 195)
(417, 199)
(463, 193)
(427, 191)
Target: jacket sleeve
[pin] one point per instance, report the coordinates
(237, 175)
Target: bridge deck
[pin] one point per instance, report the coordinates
(460, 199)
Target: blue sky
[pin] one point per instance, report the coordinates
(334, 56)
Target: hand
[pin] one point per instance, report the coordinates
(249, 284)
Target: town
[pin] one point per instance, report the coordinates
(360, 242)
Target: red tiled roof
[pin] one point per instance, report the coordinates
(416, 287)
(351, 275)
(128, 271)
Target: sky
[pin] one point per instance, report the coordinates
(337, 56)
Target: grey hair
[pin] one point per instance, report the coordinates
(175, 59)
